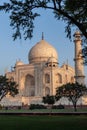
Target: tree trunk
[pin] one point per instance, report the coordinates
(75, 108)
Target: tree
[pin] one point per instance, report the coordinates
(72, 91)
(49, 100)
(23, 13)
(7, 86)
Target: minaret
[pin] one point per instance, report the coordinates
(79, 66)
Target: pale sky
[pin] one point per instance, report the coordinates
(10, 50)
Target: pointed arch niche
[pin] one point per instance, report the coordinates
(47, 91)
(29, 85)
(59, 78)
(47, 78)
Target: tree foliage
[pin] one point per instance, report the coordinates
(23, 13)
(48, 100)
(7, 87)
(72, 91)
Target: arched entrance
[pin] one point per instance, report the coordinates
(29, 85)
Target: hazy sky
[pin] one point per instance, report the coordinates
(10, 50)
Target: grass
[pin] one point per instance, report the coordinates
(43, 122)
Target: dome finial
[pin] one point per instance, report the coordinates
(42, 36)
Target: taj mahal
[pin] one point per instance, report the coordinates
(42, 75)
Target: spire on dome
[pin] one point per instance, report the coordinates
(42, 36)
(67, 64)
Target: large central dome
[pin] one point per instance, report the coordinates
(41, 52)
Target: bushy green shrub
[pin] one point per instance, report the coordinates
(58, 107)
(6, 108)
(19, 107)
(36, 106)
